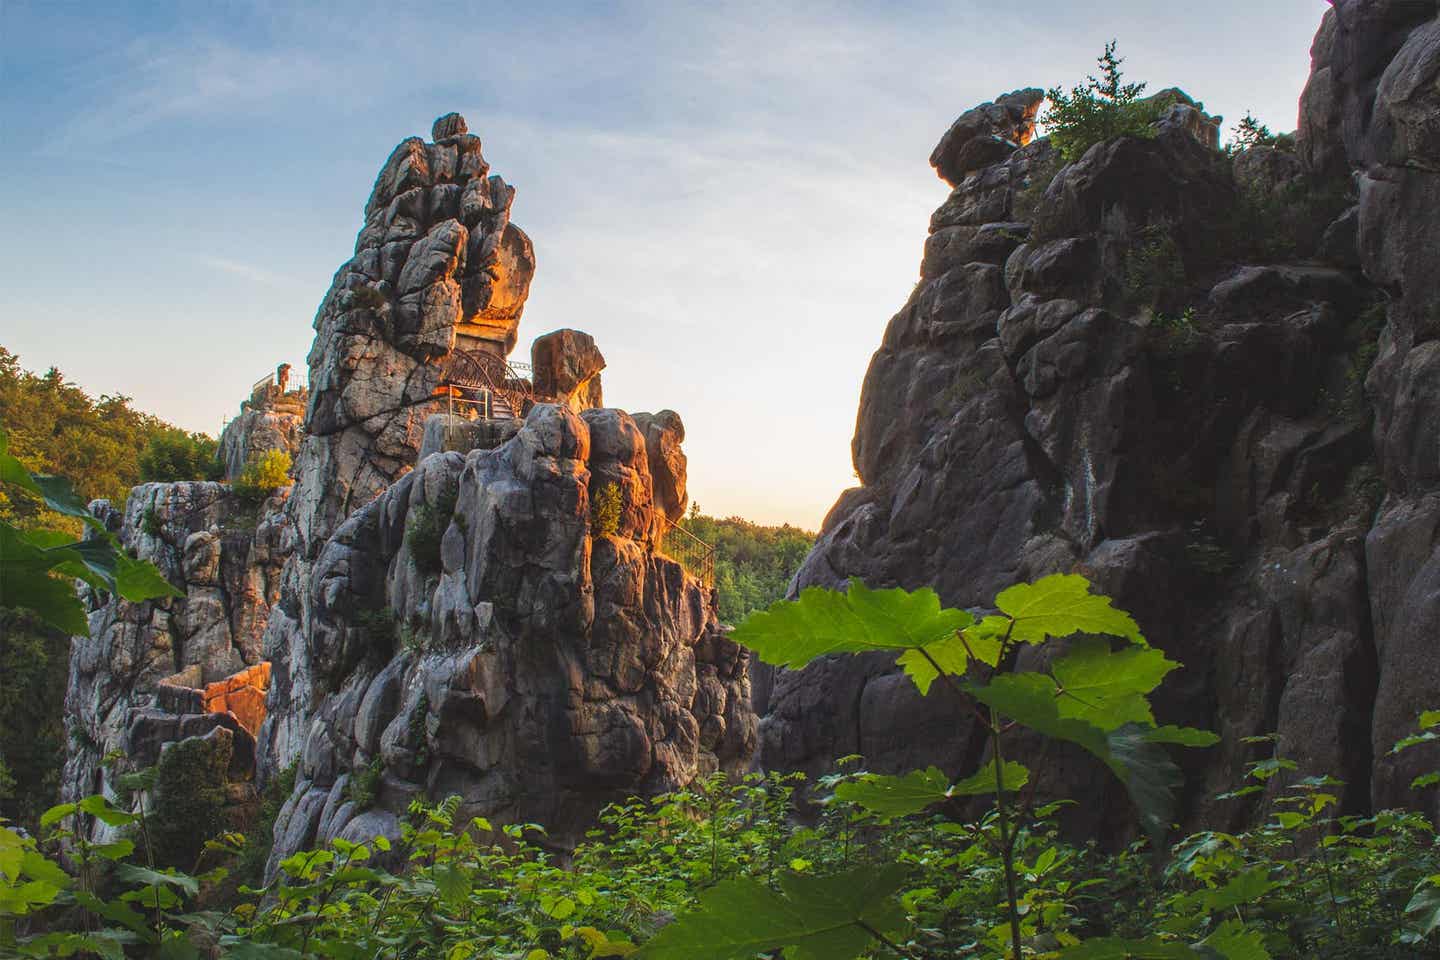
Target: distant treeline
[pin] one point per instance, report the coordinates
(753, 563)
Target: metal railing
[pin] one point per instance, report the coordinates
(694, 554)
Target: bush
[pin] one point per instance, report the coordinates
(605, 511)
(172, 454)
(364, 784)
(263, 475)
(189, 800)
(425, 529)
(1101, 109)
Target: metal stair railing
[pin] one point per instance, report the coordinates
(694, 554)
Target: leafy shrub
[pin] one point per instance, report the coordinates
(1154, 267)
(425, 529)
(1250, 132)
(367, 297)
(364, 785)
(605, 511)
(263, 475)
(189, 800)
(1101, 109)
(173, 454)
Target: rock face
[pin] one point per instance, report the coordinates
(1129, 368)
(476, 634)
(438, 268)
(272, 419)
(140, 679)
(458, 616)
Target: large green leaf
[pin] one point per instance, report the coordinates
(792, 633)
(817, 918)
(1141, 764)
(1062, 604)
(982, 781)
(57, 492)
(1233, 942)
(23, 583)
(1108, 688)
(896, 796)
(1116, 948)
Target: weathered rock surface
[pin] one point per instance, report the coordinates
(438, 268)
(452, 620)
(271, 419)
(1101, 372)
(566, 366)
(140, 679)
(474, 634)
(987, 134)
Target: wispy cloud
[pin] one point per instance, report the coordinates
(252, 273)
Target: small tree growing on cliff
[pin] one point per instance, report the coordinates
(1100, 109)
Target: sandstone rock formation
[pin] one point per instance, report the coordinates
(271, 419)
(1150, 366)
(438, 270)
(161, 671)
(475, 634)
(566, 367)
(456, 617)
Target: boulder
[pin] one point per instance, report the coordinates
(566, 368)
(986, 134)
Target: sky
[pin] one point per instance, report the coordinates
(731, 197)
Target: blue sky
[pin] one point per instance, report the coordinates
(732, 197)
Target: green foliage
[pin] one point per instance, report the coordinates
(1289, 221)
(263, 475)
(1101, 109)
(56, 428)
(189, 799)
(364, 784)
(34, 670)
(172, 454)
(605, 511)
(38, 567)
(812, 918)
(425, 529)
(1250, 133)
(259, 836)
(753, 563)
(1154, 268)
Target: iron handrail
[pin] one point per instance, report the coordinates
(694, 554)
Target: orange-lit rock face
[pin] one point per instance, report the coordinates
(242, 694)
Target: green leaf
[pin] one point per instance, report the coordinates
(137, 875)
(896, 796)
(1116, 948)
(243, 948)
(26, 581)
(1425, 780)
(1182, 736)
(1233, 942)
(138, 580)
(1243, 888)
(1108, 688)
(55, 814)
(1424, 908)
(817, 918)
(98, 807)
(983, 780)
(1060, 605)
(791, 633)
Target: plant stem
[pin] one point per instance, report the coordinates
(1007, 841)
(882, 938)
